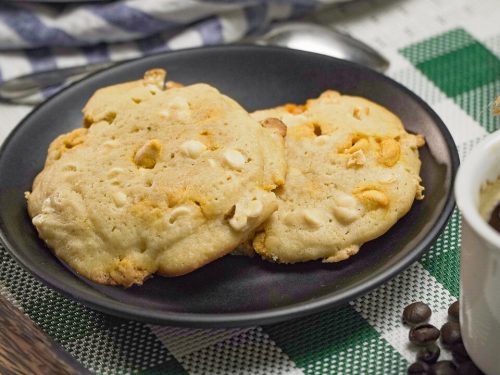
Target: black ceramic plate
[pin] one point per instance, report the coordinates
(235, 291)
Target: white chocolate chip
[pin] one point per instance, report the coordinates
(120, 198)
(178, 211)
(294, 120)
(164, 113)
(177, 108)
(38, 219)
(47, 205)
(238, 222)
(193, 148)
(111, 143)
(254, 208)
(357, 158)
(179, 103)
(345, 200)
(311, 217)
(346, 208)
(234, 159)
(153, 88)
(345, 215)
(244, 212)
(212, 163)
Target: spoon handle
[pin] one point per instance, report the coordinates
(31, 84)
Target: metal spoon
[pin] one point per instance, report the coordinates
(320, 39)
(296, 35)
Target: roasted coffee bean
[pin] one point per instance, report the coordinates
(419, 368)
(429, 354)
(459, 353)
(416, 313)
(450, 333)
(424, 334)
(444, 368)
(453, 310)
(469, 368)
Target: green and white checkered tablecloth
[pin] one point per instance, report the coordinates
(448, 52)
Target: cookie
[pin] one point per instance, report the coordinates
(353, 171)
(157, 181)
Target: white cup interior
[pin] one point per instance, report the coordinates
(482, 165)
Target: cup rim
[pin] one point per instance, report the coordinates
(464, 190)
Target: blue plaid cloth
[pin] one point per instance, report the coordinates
(36, 37)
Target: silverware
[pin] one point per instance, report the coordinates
(320, 39)
(296, 35)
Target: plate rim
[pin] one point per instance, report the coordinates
(212, 320)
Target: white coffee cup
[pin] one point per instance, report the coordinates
(480, 259)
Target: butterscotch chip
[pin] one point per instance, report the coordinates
(371, 198)
(148, 154)
(162, 181)
(353, 171)
(359, 145)
(390, 152)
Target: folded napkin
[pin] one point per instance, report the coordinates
(36, 37)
